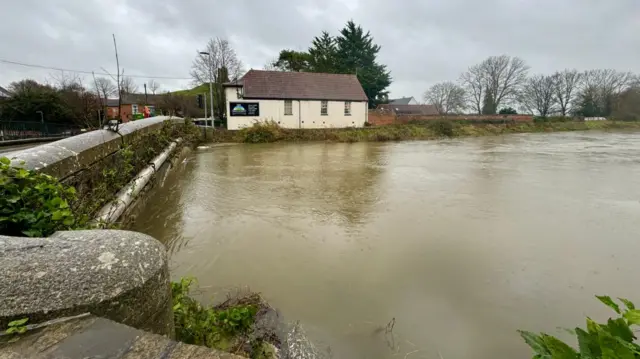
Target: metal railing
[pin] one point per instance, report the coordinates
(18, 130)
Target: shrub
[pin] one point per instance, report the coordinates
(367, 124)
(230, 326)
(33, 204)
(507, 111)
(613, 339)
(261, 132)
(442, 127)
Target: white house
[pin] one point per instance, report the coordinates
(296, 100)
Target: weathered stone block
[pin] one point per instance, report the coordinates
(119, 275)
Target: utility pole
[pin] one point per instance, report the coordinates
(205, 108)
(210, 83)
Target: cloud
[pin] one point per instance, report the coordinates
(422, 41)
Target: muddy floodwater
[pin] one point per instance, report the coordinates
(461, 241)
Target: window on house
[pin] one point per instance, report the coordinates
(323, 108)
(347, 108)
(288, 107)
(134, 109)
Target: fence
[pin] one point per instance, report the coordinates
(15, 130)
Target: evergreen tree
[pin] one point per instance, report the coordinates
(291, 60)
(322, 54)
(489, 104)
(356, 54)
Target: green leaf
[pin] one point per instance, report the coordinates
(19, 322)
(22, 173)
(5, 161)
(558, 348)
(32, 233)
(588, 344)
(177, 306)
(592, 327)
(619, 328)
(627, 303)
(632, 316)
(57, 215)
(612, 349)
(609, 302)
(535, 342)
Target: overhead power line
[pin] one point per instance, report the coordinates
(89, 72)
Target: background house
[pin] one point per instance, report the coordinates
(403, 101)
(132, 106)
(296, 100)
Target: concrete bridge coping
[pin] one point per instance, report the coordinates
(67, 156)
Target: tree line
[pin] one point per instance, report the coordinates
(500, 83)
(65, 99)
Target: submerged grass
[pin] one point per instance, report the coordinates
(271, 132)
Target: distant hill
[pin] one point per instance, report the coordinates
(204, 88)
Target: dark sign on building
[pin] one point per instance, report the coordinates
(244, 109)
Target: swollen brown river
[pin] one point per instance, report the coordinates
(461, 241)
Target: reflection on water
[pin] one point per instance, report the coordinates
(462, 241)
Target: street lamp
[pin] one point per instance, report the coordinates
(41, 116)
(210, 84)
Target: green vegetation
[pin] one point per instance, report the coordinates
(34, 204)
(416, 130)
(611, 340)
(230, 326)
(351, 52)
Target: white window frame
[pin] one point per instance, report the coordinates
(288, 107)
(347, 108)
(134, 109)
(324, 108)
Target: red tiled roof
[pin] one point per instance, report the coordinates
(424, 110)
(301, 86)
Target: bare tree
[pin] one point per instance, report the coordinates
(127, 85)
(153, 86)
(600, 90)
(474, 84)
(218, 66)
(105, 87)
(566, 86)
(271, 65)
(65, 80)
(538, 94)
(502, 76)
(447, 97)
(205, 68)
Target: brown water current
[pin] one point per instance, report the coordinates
(461, 241)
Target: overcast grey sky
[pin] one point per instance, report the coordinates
(423, 41)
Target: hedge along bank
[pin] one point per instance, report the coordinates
(418, 130)
(34, 202)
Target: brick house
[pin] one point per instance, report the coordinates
(132, 106)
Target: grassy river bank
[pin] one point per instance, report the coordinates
(270, 132)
